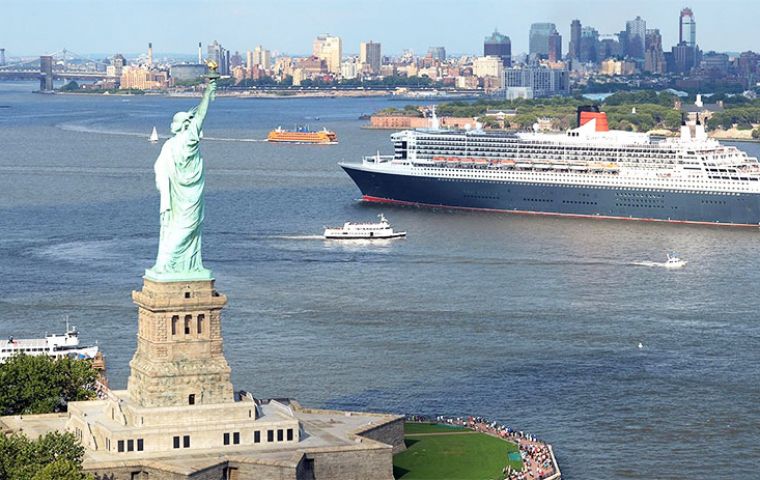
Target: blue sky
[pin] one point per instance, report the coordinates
(32, 27)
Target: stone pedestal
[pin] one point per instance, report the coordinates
(179, 358)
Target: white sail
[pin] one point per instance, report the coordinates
(154, 136)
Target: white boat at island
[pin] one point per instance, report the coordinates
(363, 231)
(56, 346)
(154, 136)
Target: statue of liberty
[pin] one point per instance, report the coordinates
(180, 178)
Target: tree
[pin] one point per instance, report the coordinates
(756, 133)
(40, 384)
(54, 456)
(71, 86)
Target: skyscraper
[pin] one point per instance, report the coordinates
(555, 47)
(437, 53)
(498, 45)
(687, 28)
(220, 55)
(538, 40)
(574, 49)
(249, 60)
(369, 54)
(330, 49)
(262, 57)
(654, 58)
(589, 43)
(150, 54)
(636, 31)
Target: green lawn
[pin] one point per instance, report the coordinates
(444, 452)
(412, 428)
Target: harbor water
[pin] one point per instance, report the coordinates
(535, 322)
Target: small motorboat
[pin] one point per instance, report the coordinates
(674, 262)
(363, 231)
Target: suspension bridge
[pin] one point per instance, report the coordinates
(62, 65)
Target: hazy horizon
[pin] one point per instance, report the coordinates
(176, 27)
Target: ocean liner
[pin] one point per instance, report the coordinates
(588, 171)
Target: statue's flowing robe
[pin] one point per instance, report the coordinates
(180, 179)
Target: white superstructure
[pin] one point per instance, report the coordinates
(52, 346)
(363, 231)
(581, 156)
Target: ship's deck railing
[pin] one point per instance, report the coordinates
(378, 158)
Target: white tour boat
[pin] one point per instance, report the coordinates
(363, 231)
(674, 262)
(66, 345)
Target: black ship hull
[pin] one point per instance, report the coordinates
(713, 208)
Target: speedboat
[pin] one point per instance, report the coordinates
(674, 262)
(363, 231)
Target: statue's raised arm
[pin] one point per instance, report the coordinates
(180, 178)
(199, 112)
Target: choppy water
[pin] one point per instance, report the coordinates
(532, 321)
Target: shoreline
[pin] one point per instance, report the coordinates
(525, 442)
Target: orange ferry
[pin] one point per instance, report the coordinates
(302, 135)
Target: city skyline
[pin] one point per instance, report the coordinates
(230, 22)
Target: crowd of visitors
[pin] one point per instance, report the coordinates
(538, 461)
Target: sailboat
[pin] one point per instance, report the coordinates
(154, 136)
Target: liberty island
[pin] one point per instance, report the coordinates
(180, 417)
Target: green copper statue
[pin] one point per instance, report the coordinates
(180, 178)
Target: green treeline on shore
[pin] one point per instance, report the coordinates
(40, 384)
(630, 111)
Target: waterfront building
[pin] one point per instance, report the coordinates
(437, 53)
(541, 80)
(220, 55)
(635, 36)
(390, 70)
(500, 46)
(574, 49)
(466, 82)
(330, 49)
(371, 56)
(350, 68)
(117, 65)
(489, 68)
(236, 60)
(142, 78)
(614, 67)
(687, 28)
(312, 66)
(187, 72)
(239, 73)
(538, 40)
(262, 57)
(249, 60)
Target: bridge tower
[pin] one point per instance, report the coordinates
(2, 57)
(46, 73)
